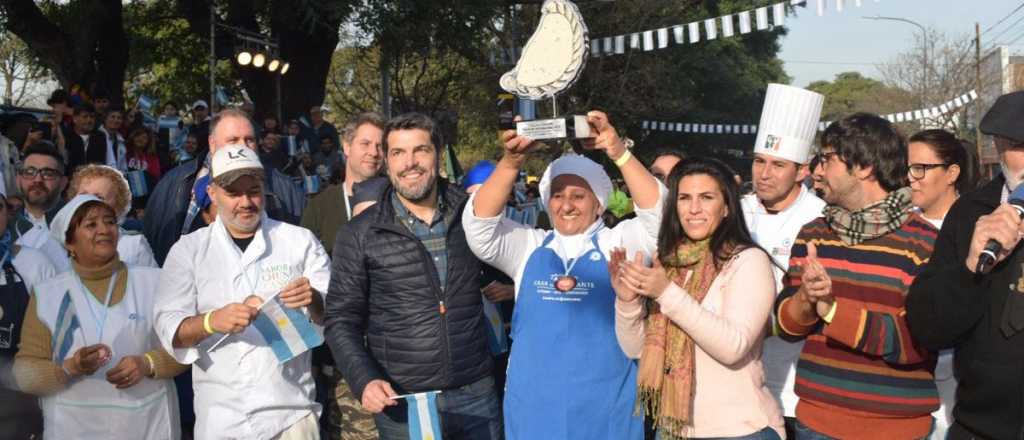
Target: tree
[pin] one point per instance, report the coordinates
(19, 69)
(851, 92)
(937, 68)
(307, 34)
(81, 41)
(167, 60)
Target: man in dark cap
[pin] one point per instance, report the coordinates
(980, 314)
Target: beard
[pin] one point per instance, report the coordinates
(33, 197)
(416, 192)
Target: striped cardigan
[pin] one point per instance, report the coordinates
(862, 376)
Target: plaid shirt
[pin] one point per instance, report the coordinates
(433, 236)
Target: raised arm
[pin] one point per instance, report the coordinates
(642, 185)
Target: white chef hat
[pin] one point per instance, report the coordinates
(62, 221)
(580, 166)
(789, 121)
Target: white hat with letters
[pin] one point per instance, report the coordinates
(233, 161)
(789, 122)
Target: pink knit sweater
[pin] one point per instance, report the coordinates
(728, 327)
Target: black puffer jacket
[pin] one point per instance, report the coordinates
(384, 287)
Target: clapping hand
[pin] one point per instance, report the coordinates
(817, 285)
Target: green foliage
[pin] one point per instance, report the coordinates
(851, 92)
(167, 60)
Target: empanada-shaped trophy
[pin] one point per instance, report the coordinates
(555, 55)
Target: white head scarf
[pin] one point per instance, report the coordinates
(580, 166)
(62, 221)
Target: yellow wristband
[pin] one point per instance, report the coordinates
(831, 313)
(152, 365)
(623, 159)
(206, 323)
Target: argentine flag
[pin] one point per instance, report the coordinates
(496, 338)
(287, 331)
(64, 330)
(423, 420)
(145, 103)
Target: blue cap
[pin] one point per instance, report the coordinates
(199, 192)
(478, 174)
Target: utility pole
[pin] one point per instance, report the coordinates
(977, 87)
(213, 59)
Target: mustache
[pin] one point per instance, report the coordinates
(418, 169)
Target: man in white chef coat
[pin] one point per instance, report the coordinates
(212, 284)
(780, 206)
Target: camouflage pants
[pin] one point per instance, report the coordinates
(346, 418)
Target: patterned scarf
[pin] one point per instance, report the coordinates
(872, 221)
(666, 381)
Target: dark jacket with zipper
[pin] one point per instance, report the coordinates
(385, 291)
(950, 307)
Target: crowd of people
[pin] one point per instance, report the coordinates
(841, 297)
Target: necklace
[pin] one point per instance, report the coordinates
(567, 282)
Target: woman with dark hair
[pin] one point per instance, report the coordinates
(941, 168)
(142, 153)
(88, 348)
(697, 319)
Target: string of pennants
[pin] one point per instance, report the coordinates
(744, 22)
(689, 127)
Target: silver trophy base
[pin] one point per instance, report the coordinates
(567, 127)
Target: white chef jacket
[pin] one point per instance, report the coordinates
(33, 267)
(241, 391)
(776, 234)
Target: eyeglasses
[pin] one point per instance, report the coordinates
(45, 173)
(918, 170)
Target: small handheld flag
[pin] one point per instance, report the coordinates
(222, 96)
(496, 338)
(287, 331)
(145, 103)
(64, 330)
(424, 423)
(137, 183)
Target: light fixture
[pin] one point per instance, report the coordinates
(259, 60)
(244, 57)
(284, 68)
(274, 64)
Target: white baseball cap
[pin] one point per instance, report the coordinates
(200, 103)
(233, 161)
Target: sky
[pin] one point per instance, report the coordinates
(818, 48)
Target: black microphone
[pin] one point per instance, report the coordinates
(987, 258)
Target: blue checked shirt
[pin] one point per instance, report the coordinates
(433, 236)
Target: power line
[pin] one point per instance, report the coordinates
(1010, 28)
(1021, 6)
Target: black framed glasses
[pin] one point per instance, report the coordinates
(918, 170)
(45, 173)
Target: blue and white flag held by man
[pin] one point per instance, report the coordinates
(287, 331)
(64, 331)
(423, 420)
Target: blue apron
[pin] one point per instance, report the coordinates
(567, 376)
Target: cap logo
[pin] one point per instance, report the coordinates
(773, 143)
(237, 154)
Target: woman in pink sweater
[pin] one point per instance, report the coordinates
(697, 319)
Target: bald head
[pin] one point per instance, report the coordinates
(231, 127)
